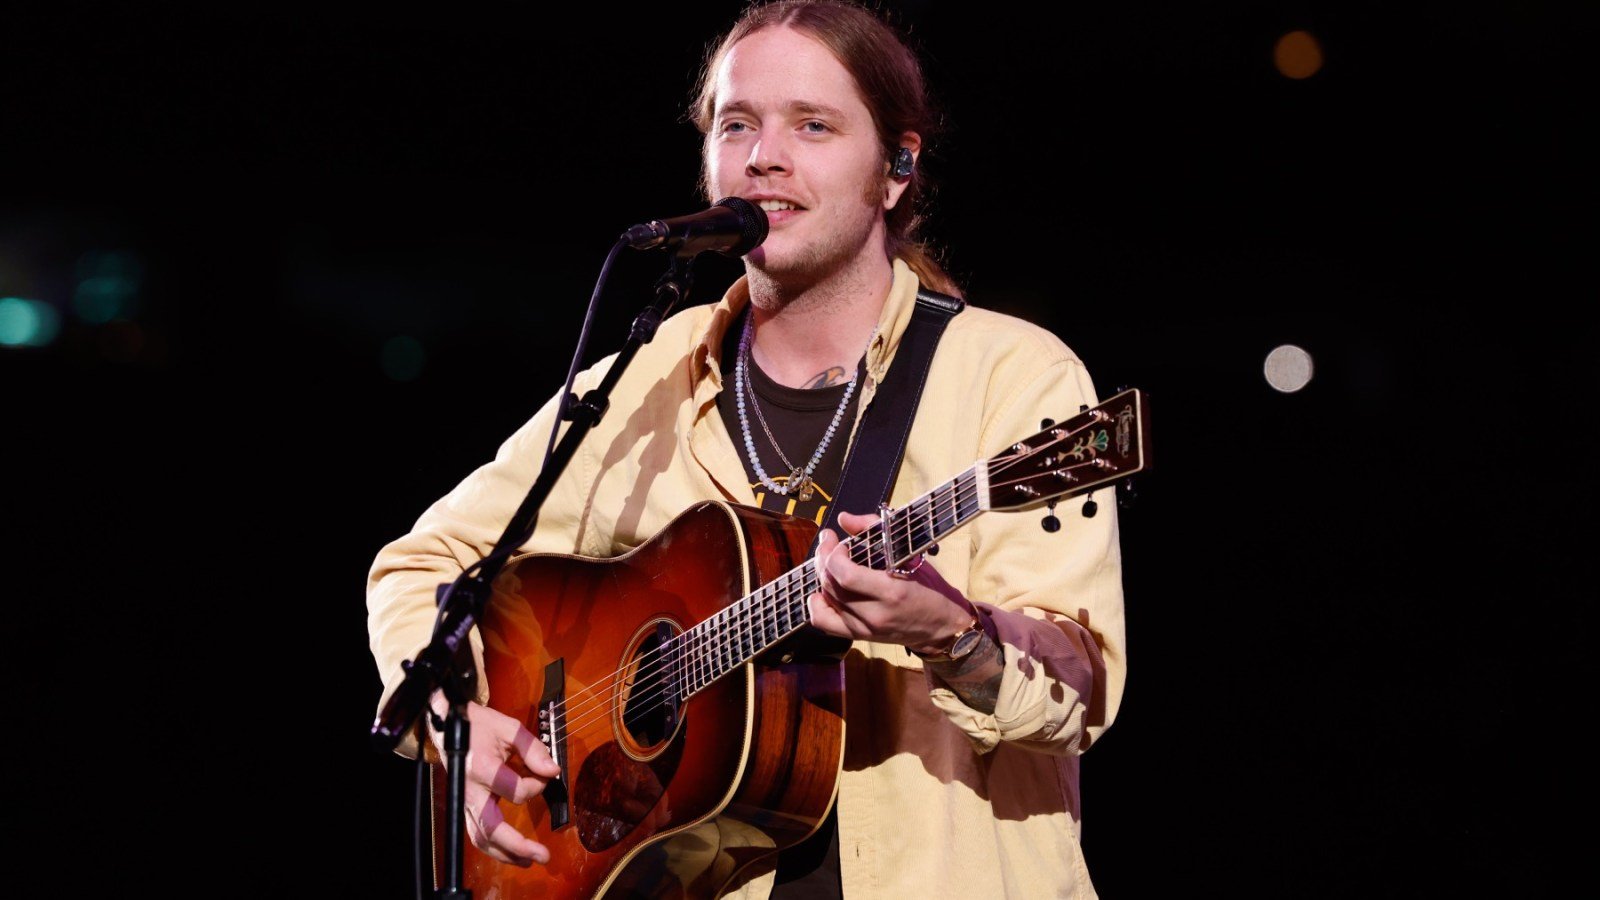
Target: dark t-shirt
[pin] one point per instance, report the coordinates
(798, 418)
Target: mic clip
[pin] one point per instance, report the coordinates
(588, 411)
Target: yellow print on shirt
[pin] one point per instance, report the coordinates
(789, 508)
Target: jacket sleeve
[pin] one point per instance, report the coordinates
(1054, 601)
(456, 531)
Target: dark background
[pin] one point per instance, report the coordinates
(350, 250)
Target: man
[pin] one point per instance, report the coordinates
(975, 679)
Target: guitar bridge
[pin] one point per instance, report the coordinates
(553, 734)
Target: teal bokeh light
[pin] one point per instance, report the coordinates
(27, 323)
(108, 286)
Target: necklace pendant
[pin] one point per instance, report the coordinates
(806, 484)
(799, 482)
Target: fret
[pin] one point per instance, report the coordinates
(915, 533)
(752, 636)
(785, 608)
(708, 664)
(920, 533)
(860, 550)
(698, 642)
(713, 650)
(770, 608)
(737, 633)
(944, 509)
(691, 679)
(724, 657)
(909, 529)
(708, 669)
(893, 539)
(743, 643)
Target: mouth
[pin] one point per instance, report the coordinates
(778, 206)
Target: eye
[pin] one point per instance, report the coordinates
(813, 126)
(734, 128)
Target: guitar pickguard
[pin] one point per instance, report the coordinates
(615, 792)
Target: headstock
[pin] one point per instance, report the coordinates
(1102, 444)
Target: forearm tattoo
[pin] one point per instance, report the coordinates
(976, 677)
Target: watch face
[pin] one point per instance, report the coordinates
(965, 643)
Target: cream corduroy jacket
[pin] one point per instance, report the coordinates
(934, 796)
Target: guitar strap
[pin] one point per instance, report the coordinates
(880, 442)
(869, 472)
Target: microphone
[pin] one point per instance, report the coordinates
(733, 227)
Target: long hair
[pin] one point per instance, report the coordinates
(890, 78)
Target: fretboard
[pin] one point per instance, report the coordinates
(744, 629)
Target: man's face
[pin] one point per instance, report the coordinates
(792, 134)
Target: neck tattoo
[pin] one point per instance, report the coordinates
(799, 480)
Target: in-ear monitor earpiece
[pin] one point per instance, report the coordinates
(903, 163)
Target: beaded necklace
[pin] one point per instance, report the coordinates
(799, 480)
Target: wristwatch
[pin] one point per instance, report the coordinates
(961, 644)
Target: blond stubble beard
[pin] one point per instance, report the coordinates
(773, 289)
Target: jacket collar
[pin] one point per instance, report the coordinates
(892, 323)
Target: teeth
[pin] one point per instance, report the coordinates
(775, 205)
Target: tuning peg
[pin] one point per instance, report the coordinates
(1050, 523)
(1090, 507)
(933, 549)
(1046, 423)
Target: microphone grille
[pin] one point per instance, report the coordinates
(752, 224)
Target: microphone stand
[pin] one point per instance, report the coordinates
(462, 602)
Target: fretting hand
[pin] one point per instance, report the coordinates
(916, 609)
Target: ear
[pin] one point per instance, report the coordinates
(902, 162)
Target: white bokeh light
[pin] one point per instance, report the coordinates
(1288, 368)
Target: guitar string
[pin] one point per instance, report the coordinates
(778, 589)
(742, 615)
(647, 667)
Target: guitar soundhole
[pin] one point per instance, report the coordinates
(650, 701)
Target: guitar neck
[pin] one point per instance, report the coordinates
(748, 627)
(1095, 447)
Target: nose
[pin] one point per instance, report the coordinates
(767, 157)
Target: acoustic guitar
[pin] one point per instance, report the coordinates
(698, 724)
